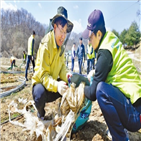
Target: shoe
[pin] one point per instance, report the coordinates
(127, 135)
(110, 137)
(41, 118)
(108, 134)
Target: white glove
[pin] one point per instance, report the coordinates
(62, 87)
(91, 74)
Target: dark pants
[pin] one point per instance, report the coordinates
(93, 63)
(72, 67)
(118, 111)
(89, 65)
(29, 58)
(42, 96)
(13, 63)
(67, 63)
(80, 65)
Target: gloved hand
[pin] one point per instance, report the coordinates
(68, 75)
(91, 74)
(62, 87)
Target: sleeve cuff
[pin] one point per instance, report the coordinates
(56, 86)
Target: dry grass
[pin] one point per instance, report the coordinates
(94, 130)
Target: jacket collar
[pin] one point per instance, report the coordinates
(55, 44)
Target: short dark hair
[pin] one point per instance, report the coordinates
(74, 43)
(34, 32)
(80, 38)
(60, 21)
(103, 30)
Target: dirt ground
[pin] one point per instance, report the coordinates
(94, 129)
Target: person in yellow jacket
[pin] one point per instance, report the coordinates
(116, 84)
(50, 65)
(30, 56)
(90, 57)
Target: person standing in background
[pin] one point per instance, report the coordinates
(24, 57)
(67, 59)
(80, 54)
(30, 57)
(73, 56)
(90, 57)
(94, 60)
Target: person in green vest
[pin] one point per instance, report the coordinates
(116, 84)
(24, 60)
(30, 56)
(24, 57)
(90, 57)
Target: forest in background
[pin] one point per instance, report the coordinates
(17, 26)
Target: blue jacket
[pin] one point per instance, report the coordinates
(81, 51)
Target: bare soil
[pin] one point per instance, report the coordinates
(93, 130)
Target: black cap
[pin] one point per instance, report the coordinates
(34, 32)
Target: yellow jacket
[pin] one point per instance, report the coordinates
(49, 65)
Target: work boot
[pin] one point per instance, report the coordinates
(26, 79)
(127, 135)
(110, 137)
(41, 118)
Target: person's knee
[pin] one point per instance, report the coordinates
(38, 93)
(99, 90)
